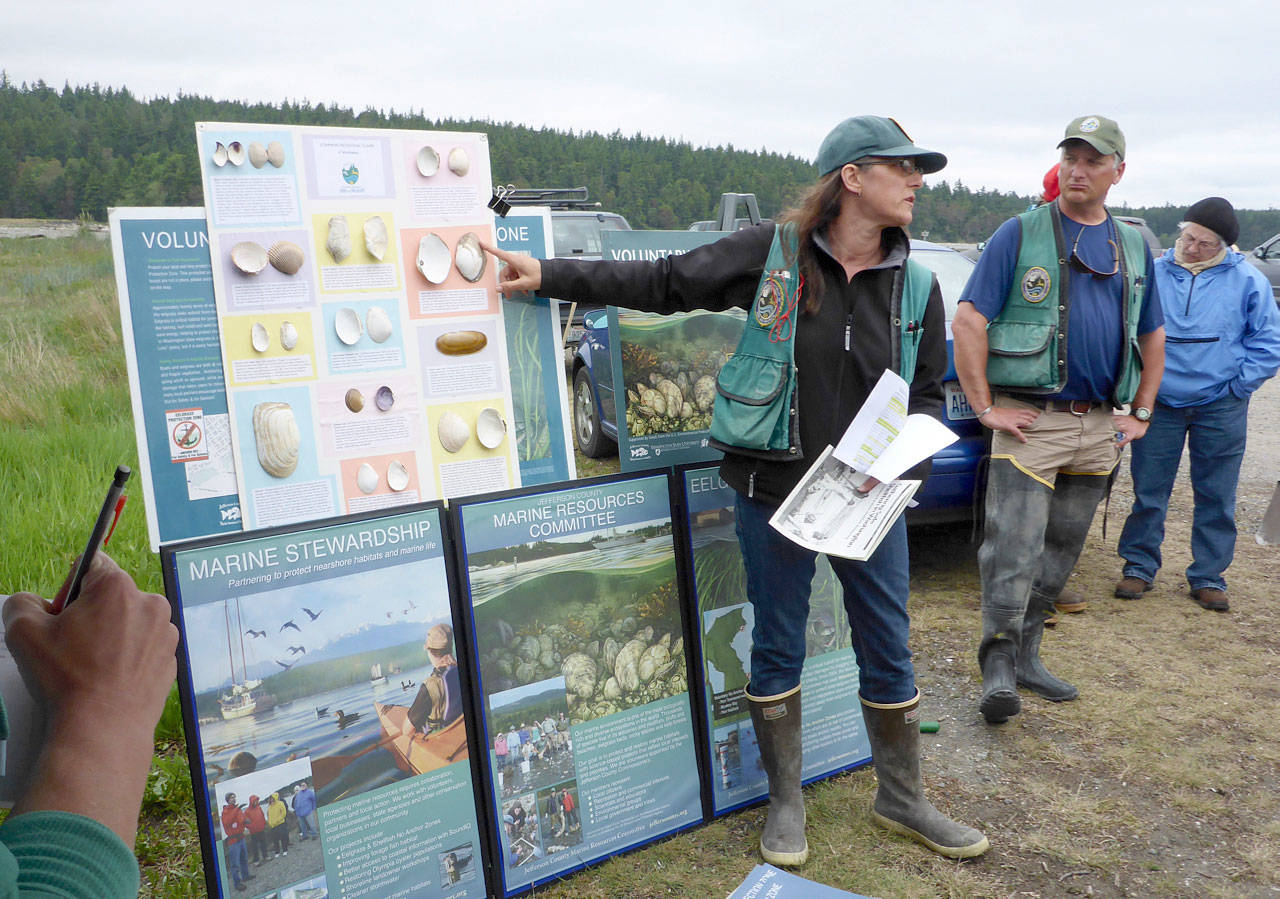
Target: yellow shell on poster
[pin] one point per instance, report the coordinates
(453, 431)
(461, 343)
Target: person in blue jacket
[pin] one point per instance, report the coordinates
(1222, 343)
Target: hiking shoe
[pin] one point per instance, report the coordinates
(1131, 587)
(1069, 602)
(1211, 598)
(1051, 621)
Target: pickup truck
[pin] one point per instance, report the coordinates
(1266, 257)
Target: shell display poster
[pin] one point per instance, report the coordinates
(834, 738)
(362, 337)
(324, 707)
(577, 627)
(663, 367)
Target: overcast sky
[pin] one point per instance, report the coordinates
(1192, 84)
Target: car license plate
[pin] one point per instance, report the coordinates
(958, 407)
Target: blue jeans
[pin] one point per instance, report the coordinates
(1214, 433)
(779, 579)
(238, 861)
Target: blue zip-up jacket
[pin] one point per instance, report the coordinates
(1222, 330)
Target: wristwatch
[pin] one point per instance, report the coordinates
(1142, 413)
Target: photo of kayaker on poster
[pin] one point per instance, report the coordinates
(578, 631)
(330, 650)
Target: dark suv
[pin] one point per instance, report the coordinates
(1267, 259)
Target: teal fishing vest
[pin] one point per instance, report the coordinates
(755, 412)
(1027, 341)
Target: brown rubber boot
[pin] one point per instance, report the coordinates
(777, 723)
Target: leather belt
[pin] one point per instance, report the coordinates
(1075, 407)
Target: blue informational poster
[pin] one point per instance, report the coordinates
(578, 630)
(834, 738)
(170, 331)
(324, 708)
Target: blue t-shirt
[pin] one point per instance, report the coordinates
(1095, 320)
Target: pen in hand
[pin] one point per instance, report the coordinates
(102, 527)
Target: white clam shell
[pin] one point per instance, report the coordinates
(338, 243)
(397, 475)
(257, 154)
(275, 431)
(286, 256)
(490, 428)
(428, 161)
(434, 258)
(259, 337)
(367, 478)
(453, 431)
(378, 324)
(249, 257)
(469, 258)
(275, 153)
(375, 237)
(235, 153)
(346, 324)
(459, 162)
(219, 154)
(288, 335)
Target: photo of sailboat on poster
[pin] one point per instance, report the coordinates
(245, 696)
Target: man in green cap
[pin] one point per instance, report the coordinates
(1059, 326)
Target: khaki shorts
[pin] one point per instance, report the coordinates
(1059, 442)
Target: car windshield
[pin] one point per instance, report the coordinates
(580, 234)
(953, 271)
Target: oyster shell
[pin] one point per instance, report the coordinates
(452, 431)
(626, 667)
(579, 671)
(338, 242)
(235, 153)
(257, 154)
(434, 258)
(428, 161)
(346, 324)
(378, 324)
(459, 162)
(654, 660)
(469, 258)
(259, 337)
(249, 257)
(286, 256)
(490, 428)
(375, 237)
(461, 343)
(275, 153)
(219, 154)
(275, 431)
(384, 399)
(288, 335)
(397, 475)
(354, 399)
(367, 478)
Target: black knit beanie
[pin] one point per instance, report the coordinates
(1217, 215)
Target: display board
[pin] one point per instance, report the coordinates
(573, 594)
(304, 652)
(834, 737)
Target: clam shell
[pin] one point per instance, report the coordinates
(257, 154)
(428, 161)
(249, 257)
(459, 162)
(461, 343)
(434, 258)
(375, 237)
(338, 243)
(235, 153)
(275, 153)
(469, 258)
(452, 431)
(275, 431)
(397, 475)
(384, 399)
(378, 324)
(288, 335)
(286, 256)
(490, 428)
(346, 324)
(259, 337)
(367, 478)
(219, 154)
(354, 399)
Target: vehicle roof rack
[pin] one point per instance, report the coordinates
(555, 197)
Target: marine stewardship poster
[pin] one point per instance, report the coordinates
(834, 738)
(362, 337)
(576, 621)
(664, 366)
(170, 329)
(324, 712)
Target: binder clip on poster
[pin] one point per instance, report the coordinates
(498, 202)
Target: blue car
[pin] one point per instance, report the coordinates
(949, 494)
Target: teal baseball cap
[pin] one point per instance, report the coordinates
(871, 135)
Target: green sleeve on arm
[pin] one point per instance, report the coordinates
(65, 855)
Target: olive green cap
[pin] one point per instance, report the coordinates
(1099, 132)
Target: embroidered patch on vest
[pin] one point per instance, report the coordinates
(1035, 284)
(774, 712)
(772, 297)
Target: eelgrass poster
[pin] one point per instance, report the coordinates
(579, 635)
(834, 737)
(324, 709)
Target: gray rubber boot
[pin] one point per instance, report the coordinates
(1000, 700)
(900, 806)
(777, 723)
(1031, 671)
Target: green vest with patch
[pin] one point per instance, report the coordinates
(755, 412)
(1027, 341)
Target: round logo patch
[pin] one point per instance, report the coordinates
(767, 306)
(1089, 125)
(1035, 284)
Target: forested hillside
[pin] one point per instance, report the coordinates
(78, 150)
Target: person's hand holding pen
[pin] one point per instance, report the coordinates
(102, 669)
